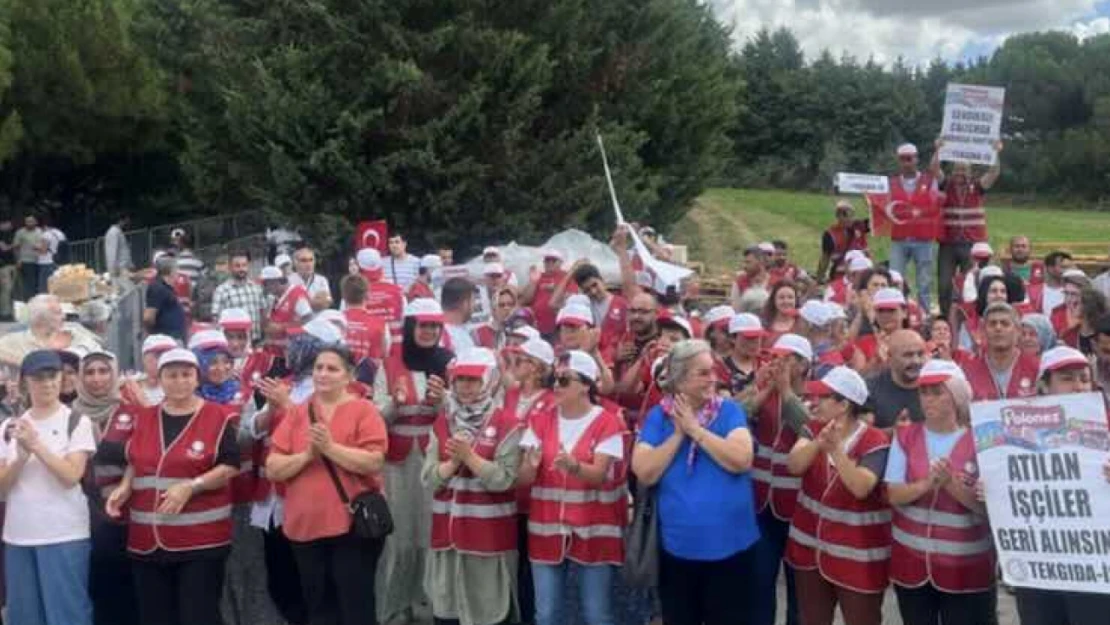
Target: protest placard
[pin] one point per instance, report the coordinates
(1041, 461)
(972, 123)
(860, 184)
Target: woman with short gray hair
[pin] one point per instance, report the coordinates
(695, 449)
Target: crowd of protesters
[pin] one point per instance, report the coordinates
(368, 452)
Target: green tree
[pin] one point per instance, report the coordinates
(11, 128)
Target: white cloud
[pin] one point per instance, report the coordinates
(916, 30)
(1091, 28)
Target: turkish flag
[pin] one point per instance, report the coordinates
(886, 213)
(373, 234)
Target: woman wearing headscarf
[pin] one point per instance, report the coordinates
(1037, 334)
(112, 588)
(408, 395)
(942, 562)
(471, 468)
(492, 334)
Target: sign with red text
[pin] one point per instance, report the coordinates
(972, 123)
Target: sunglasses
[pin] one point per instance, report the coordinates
(564, 380)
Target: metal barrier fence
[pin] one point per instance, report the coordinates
(125, 329)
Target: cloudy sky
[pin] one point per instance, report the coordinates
(917, 29)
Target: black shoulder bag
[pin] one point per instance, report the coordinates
(370, 517)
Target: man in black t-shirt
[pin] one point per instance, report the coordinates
(893, 391)
(7, 268)
(163, 313)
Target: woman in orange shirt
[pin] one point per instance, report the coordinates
(335, 426)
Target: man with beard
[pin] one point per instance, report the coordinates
(239, 291)
(642, 330)
(1046, 295)
(1003, 371)
(1021, 262)
(753, 276)
(894, 390)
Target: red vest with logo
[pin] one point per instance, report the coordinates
(936, 539)
(965, 219)
(419, 290)
(854, 237)
(774, 484)
(778, 274)
(838, 291)
(284, 312)
(541, 302)
(1023, 379)
(118, 429)
(365, 334)
(744, 282)
(466, 516)
(245, 484)
(1036, 271)
(614, 323)
(205, 521)
(414, 417)
(570, 518)
(845, 538)
(513, 402)
(257, 362)
(924, 204)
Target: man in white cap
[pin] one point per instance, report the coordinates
(284, 262)
(291, 308)
(847, 233)
(492, 256)
(319, 291)
(915, 197)
(964, 222)
(384, 300)
(401, 268)
(541, 288)
(423, 285)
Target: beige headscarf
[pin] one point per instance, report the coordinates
(98, 409)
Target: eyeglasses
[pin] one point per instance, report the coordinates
(564, 380)
(640, 311)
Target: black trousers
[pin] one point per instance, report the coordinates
(951, 258)
(111, 582)
(337, 577)
(180, 593)
(928, 606)
(282, 580)
(525, 590)
(707, 592)
(1058, 607)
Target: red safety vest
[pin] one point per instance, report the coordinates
(512, 403)
(205, 521)
(245, 484)
(924, 225)
(845, 538)
(117, 430)
(614, 324)
(414, 417)
(284, 312)
(778, 274)
(1023, 379)
(465, 516)
(936, 539)
(570, 518)
(1036, 271)
(485, 336)
(257, 361)
(418, 290)
(541, 302)
(1059, 319)
(854, 237)
(839, 290)
(774, 484)
(365, 334)
(386, 301)
(964, 220)
(744, 282)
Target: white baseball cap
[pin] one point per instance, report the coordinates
(539, 349)
(887, 299)
(271, 273)
(990, 271)
(860, 263)
(235, 319)
(1075, 274)
(577, 299)
(282, 259)
(766, 247)
(816, 313)
(550, 252)
(937, 371)
(844, 205)
(1062, 357)
(325, 331)
(491, 251)
(897, 278)
(178, 356)
(431, 261)
(843, 381)
(333, 316)
(836, 311)
(667, 318)
(208, 339)
(746, 325)
(718, 315)
(369, 259)
(793, 344)
(850, 254)
(424, 310)
(474, 362)
(581, 363)
(907, 149)
(574, 315)
(158, 343)
(526, 331)
(493, 269)
(981, 249)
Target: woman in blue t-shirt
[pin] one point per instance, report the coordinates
(696, 450)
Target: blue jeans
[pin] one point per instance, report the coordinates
(595, 583)
(49, 584)
(768, 561)
(921, 253)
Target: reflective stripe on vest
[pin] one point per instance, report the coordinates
(403, 429)
(938, 546)
(786, 483)
(106, 471)
(845, 517)
(877, 554)
(588, 531)
(416, 410)
(474, 511)
(926, 516)
(155, 483)
(561, 495)
(183, 519)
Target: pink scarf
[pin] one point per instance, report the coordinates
(705, 417)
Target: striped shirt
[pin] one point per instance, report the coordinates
(401, 271)
(189, 265)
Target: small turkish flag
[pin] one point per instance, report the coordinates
(373, 234)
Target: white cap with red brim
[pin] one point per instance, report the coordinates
(550, 253)
(524, 331)
(324, 331)
(860, 263)
(581, 363)
(369, 259)
(990, 271)
(718, 315)
(896, 278)
(907, 149)
(766, 247)
(836, 311)
(793, 344)
(746, 325)
(158, 343)
(1062, 357)
(493, 269)
(178, 356)
(888, 299)
(572, 315)
(491, 251)
(842, 381)
(271, 273)
(208, 339)
(667, 319)
(424, 310)
(816, 313)
(981, 249)
(937, 371)
(538, 349)
(474, 362)
(1075, 274)
(431, 261)
(235, 319)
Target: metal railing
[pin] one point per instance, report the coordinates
(125, 329)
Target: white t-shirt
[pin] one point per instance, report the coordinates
(1053, 296)
(317, 284)
(460, 338)
(40, 510)
(53, 238)
(571, 431)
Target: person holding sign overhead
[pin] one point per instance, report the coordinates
(914, 196)
(1063, 371)
(942, 561)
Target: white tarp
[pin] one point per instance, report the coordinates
(573, 244)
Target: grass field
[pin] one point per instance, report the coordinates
(725, 221)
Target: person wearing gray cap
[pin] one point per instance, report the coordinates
(46, 530)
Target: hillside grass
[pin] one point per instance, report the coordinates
(725, 221)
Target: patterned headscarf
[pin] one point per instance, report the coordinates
(301, 354)
(222, 393)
